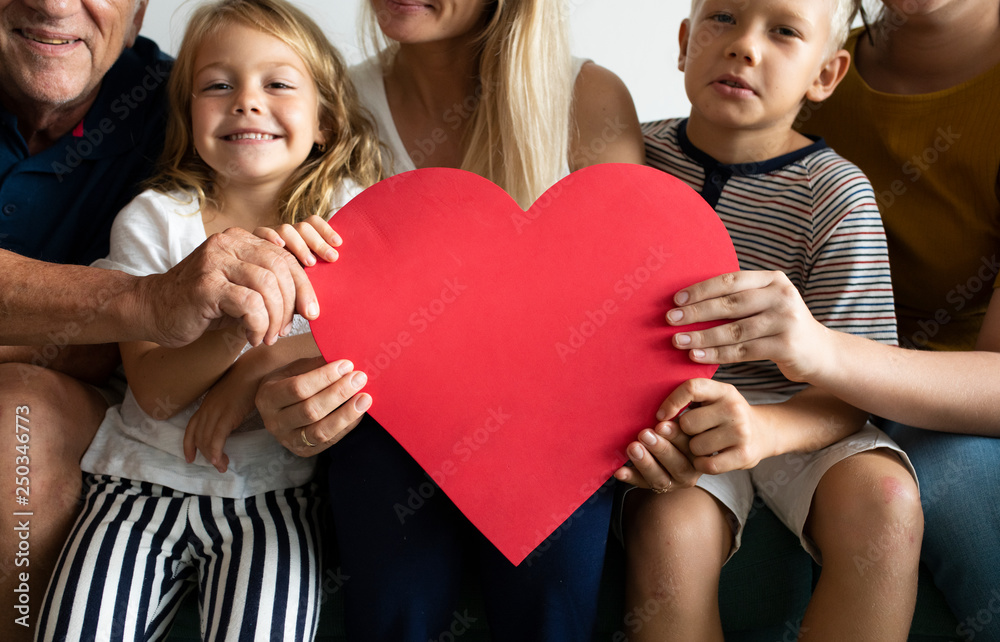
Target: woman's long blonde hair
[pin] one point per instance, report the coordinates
(519, 131)
(352, 150)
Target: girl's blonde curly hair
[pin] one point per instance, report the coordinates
(352, 151)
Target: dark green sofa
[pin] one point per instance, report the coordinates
(765, 589)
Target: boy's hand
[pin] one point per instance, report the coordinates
(661, 460)
(772, 323)
(305, 240)
(225, 406)
(725, 431)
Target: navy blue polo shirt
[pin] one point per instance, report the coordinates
(58, 205)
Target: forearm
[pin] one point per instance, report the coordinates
(946, 391)
(810, 420)
(91, 364)
(263, 360)
(43, 303)
(166, 380)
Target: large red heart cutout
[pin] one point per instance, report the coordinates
(514, 354)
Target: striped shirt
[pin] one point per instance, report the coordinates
(811, 214)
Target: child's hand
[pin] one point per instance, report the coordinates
(772, 323)
(306, 239)
(225, 406)
(661, 460)
(726, 432)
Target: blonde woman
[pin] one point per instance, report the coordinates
(487, 86)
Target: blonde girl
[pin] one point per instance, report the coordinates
(264, 130)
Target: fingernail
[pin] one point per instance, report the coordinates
(661, 414)
(344, 368)
(310, 260)
(636, 453)
(648, 437)
(330, 256)
(681, 298)
(698, 354)
(683, 339)
(363, 403)
(674, 316)
(312, 310)
(665, 429)
(287, 330)
(359, 379)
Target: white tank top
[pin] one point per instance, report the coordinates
(368, 80)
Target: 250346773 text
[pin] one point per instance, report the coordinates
(22, 516)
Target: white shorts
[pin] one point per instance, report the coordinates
(787, 483)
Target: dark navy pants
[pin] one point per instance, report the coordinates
(405, 548)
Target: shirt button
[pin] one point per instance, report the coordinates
(9, 209)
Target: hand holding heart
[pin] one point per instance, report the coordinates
(537, 336)
(310, 405)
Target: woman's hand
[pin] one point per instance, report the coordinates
(772, 322)
(310, 405)
(305, 240)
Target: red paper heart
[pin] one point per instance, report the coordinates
(515, 354)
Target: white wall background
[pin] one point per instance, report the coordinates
(636, 39)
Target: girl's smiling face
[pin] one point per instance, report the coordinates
(254, 108)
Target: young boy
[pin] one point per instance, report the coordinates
(790, 204)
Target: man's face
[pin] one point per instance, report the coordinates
(54, 53)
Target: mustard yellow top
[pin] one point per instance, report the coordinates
(934, 161)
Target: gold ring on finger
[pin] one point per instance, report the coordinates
(305, 439)
(660, 491)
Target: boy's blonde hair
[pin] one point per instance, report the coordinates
(351, 151)
(841, 19)
(518, 134)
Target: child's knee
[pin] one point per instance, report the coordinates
(676, 528)
(868, 505)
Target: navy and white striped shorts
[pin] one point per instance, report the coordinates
(138, 548)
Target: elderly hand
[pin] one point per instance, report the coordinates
(232, 278)
(310, 405)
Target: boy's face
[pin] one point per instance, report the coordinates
(748, 64)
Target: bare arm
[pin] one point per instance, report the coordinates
(231, 399)
(946, 391)
(234, 278)
(166, 380)
(722, 432)
(607, 127)
(88, 305)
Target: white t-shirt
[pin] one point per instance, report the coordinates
(152, 234)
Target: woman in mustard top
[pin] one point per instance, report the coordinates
(918, 113)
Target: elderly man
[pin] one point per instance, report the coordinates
(82, 107)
